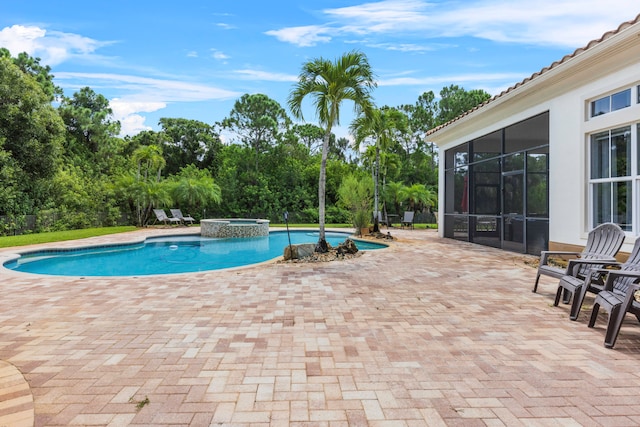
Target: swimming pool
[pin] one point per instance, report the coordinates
(169, 255)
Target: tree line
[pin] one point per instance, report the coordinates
(62, 159)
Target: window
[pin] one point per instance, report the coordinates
(537, 183)
(611, 178)
(487, 147)
(486, 187)
(638, 150)
(458, 156)
(621, 100)
(461, 189)
(527, 134)
(611, 103)
(611, 153)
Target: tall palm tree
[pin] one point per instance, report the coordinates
(329, 84)
(383, 126)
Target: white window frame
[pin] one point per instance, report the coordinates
(633, 178)
(609, 97)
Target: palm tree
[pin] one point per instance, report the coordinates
(389, 162)
(148, 158)
(418, 194)
(383, 125)
(145, 188)
(393, 192)
(142, 195)
(194, 188)
(329, 84)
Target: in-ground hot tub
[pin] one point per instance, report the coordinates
(234, 227)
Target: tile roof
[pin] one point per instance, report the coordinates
(566, 58)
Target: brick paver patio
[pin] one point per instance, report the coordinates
(429, 332)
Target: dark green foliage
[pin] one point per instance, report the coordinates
(308, 134)
(67, 167)
(31, 135)
(287, 181)
(455, 100)
(91, 142)
(41, 74)
(188, 142)
(192, 189)
(259, 122)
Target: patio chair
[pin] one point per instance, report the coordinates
(603, 243)
(177, 213)
(162, 216)
(407, 219)
(381, 219)
(617, 298)
(594, 279)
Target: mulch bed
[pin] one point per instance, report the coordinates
(335, 254)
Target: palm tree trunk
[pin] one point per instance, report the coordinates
(322, 246)
(384, 199)
(376, 224)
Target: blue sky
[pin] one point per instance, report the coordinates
(192, 59)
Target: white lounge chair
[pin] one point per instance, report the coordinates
(162, 216)
(184, 219)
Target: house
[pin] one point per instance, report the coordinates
(539, 165)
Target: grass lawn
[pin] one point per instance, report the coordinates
(58, 236)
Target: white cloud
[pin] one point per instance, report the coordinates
(460, 79)
(216, 54)
(133, 125)
(126, 111)
(266, 76)
(20, 39)
(225, 26)
(53, 47)
(567, 23)
(303, 36)
(402, 47)
(148, 89)
(142, 95)
(122, 107)
(383, 16)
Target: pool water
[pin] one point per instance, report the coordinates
(168, 255)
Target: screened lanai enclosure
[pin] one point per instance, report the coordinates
(497, 188)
